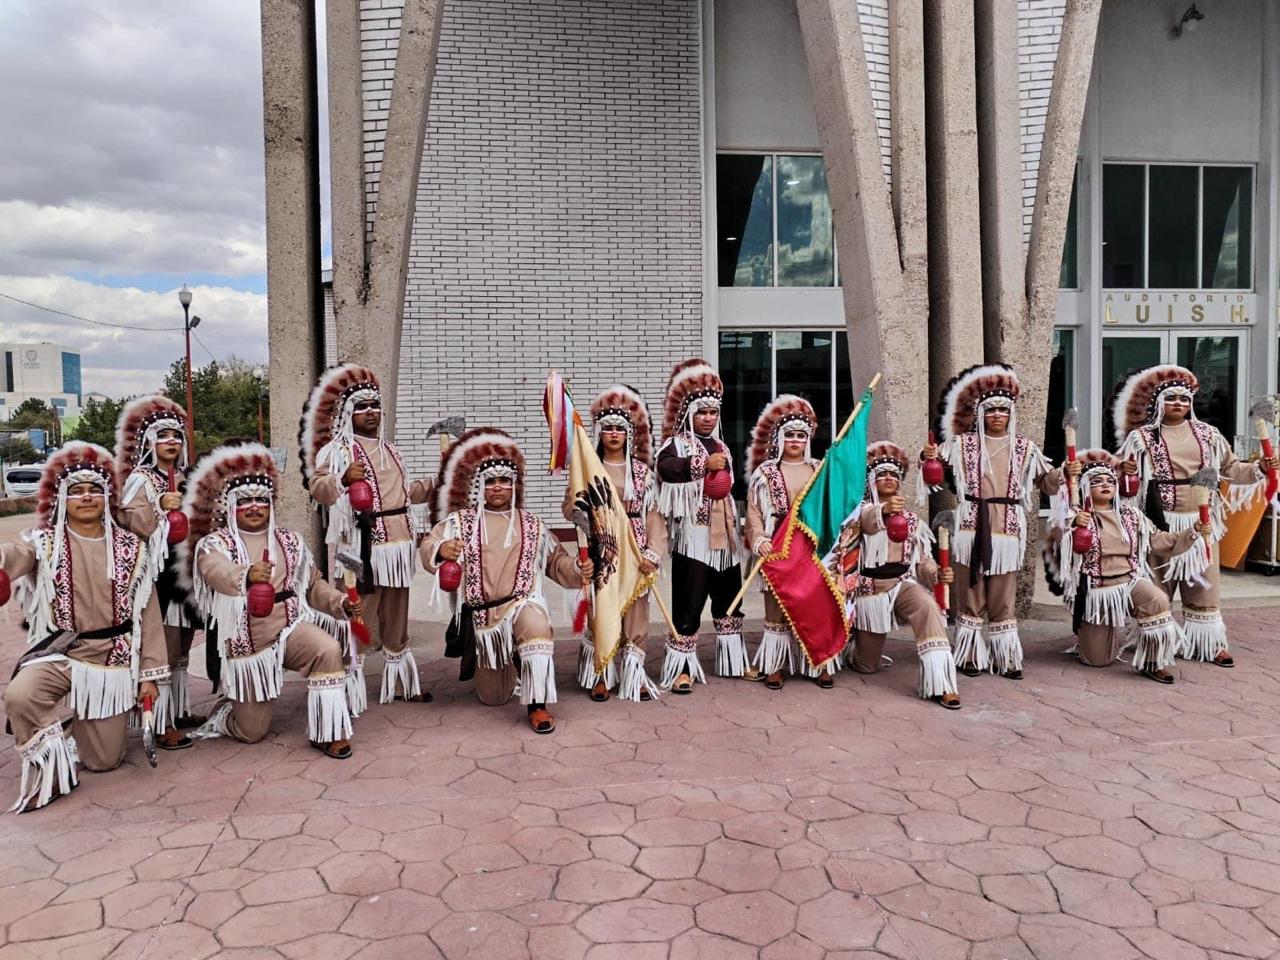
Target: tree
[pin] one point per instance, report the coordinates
(16, 448)
(98, 422)
(224, 399)
(32, 412)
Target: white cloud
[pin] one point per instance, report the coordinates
(121, 362)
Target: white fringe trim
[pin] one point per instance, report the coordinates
(937, 673)
(494, 644)
(588, 675)
(181, 689)
(216, 725)
(1006, 551)
(51, 756)
(328, 716)
(1006, 647)
(1205, 634)
(176, 615)
(258, 676)
(800, 663)
(1242, 495)
(634, 679)
(1109, 605)
(1158, 641)
(357, 692)
(677, 661)
(774, 651)
(100, 692)
(394, 564)
(399, 667)
(970, 644)
(874, 614)
(731, 655)
(164, 712)
(537, 672)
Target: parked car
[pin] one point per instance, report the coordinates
(22, 481)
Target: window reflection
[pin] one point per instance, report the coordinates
(1123, 219)
(1215, 362)
(744, 208)
(806, 256)
(1173, 199)
(804, 368)
(1228, 228)
(746, 367)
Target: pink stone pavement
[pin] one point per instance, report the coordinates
(1081, 814)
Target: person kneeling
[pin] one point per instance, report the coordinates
(235, 546)
(505, 552)
(1111, 578)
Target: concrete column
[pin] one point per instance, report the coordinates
(295, 311)
(907, 125)
(886, 330)
(373, 336)
(346, 163)
(955, 263)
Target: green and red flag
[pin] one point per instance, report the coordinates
(805, 589)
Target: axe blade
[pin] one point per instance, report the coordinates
(1205, 477)
(453, 426)
(1071, 419)
(349, 562)
(1262, 410)
(943, 518)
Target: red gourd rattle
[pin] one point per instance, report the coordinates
(450, 575)
(1128, 485)
(262, 596)
(6, 588)
(361, 496)
(931, 469)
(897, 528)
(717, 484)
(178, 524)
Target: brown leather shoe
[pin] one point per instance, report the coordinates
(1224, 659)
(826, 680)
(600, 692)
(335, 749)
(1159, 676)
(774, 680)
(948, 700)
(542, 721)
(683, 684)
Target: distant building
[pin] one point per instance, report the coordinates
(45, 371)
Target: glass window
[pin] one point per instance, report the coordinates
(1123, 221)
(1120, 355)
(746, 366)
(806, 254)
(1215, 361)
(844, 381)
(803, 363)
(1061, 393)
(1228, 228)
(1173, 199)
(1068, 278)
(744, 208)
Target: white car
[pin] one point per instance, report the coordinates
(22, 481)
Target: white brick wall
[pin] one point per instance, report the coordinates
(559, 212)
(1039, 29)
(873, 16)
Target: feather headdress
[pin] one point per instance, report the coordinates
(785, 411)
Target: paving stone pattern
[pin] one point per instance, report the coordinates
(1082, 814)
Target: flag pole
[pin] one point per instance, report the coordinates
(755, 569)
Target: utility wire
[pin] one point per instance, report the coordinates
(101, 323)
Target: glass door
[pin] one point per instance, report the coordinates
(1215, 358)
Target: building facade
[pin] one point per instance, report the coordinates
(45, 371)
(607, 188)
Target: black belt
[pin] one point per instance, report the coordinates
(365, 522)
(982, 535)
(887, 571)
(460, 637)
(1173, 483)
(635, 516)
(284, 595)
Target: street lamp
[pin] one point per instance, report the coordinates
(258, 375)
(184, 298)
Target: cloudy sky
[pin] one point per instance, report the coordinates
(130, 163)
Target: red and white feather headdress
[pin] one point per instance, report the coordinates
(886, 457)
(75, 462)
(985, 384)
(693, 384)
(622, 405)
(478, 454)
(215, 485)
(140, 420)
(1139, 399)
(326, 416)
(784, 412)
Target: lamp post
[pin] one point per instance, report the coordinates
(259, 374)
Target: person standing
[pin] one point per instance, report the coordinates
(998, 475)
(695, 474)
(341, 444)
(152, 457)
(624, 443)
(1163, 443)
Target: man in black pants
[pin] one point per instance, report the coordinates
(695, 473)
